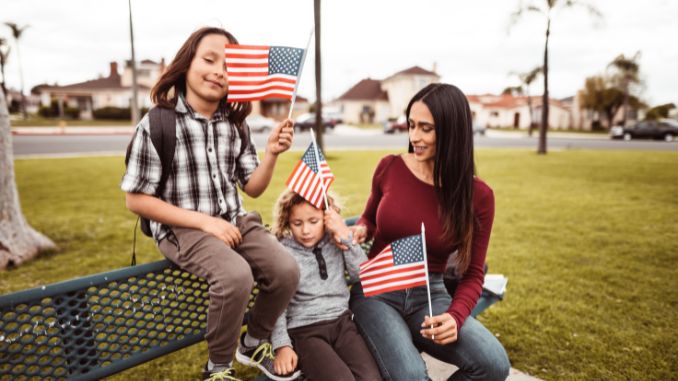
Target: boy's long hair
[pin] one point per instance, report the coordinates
(173, 80)
(283, 208)
(454, 167)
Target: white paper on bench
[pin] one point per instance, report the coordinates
(495, 283)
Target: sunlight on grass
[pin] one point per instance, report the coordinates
(589, 241)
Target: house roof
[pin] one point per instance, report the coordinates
(367, 89)
(415, 70)
(507, 101)
(112, 82)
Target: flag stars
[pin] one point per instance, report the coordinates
(285, 60)
(407, 250)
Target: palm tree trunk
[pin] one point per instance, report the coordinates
(626, 102)
(19, 242)
(319, 127)
(545, 99)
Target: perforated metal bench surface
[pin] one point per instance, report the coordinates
(102, 324)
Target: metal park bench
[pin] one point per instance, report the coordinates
(92, 327)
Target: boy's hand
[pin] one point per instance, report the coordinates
(280, 139)
(335, 225)
(222, 229)
(285, 360)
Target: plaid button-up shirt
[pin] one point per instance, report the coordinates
(209, 161)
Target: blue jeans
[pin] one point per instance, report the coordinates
(391, 323)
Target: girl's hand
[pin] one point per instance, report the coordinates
(444, 329)
(359, 233)
(336, 226)
(285, 360)
(280, 139)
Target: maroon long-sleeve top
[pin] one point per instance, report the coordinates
(400, 202)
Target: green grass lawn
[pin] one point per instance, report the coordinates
(589, 241)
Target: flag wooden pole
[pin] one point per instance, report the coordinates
(301, 68)
(320, 174)
(428, 288)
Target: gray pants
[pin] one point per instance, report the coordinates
(231, 274)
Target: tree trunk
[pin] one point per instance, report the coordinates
(319, 126)
(545, 99)
(19, 242)
(626, 101)
(529, 107)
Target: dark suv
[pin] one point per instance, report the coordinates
(666, 129)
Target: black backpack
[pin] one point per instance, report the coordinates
(163, 126)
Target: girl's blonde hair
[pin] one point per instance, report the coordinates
(283, 209)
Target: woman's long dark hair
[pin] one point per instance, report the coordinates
(173, 80)
(454, 166)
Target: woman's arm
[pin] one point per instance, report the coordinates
(366, 225)
(447, 324)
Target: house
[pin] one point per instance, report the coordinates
(376, 101)
(507, 110)
(115, 90)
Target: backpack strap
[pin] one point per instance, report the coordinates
(163, 126)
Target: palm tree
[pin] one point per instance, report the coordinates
(547, 9)
(627, 68)
(319, 127)
(17, 32)
(4, 53)
(526, 80)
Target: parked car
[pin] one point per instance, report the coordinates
(259, 123)
(396, 125)
(305, 122)
(666, 129)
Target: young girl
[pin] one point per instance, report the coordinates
(316, 330)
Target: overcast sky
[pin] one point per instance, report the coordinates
(469, 41)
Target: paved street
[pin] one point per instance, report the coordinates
(79, 140)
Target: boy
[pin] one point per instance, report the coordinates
(198, 220)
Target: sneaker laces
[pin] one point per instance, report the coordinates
(224, 375)
(263, 352)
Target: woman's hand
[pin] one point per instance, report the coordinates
(336, 226)
(444, 329)
(359, 233)
(221, 229)
(285, 360)
(280, 139)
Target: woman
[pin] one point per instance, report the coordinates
(433, 183)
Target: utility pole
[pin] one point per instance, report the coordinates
(134, 107)
(319, 127)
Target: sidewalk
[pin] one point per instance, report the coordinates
(103, 130)
(520, 134)
(440, 371)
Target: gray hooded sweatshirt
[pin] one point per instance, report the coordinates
(316, 299)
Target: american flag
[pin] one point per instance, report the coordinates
(259, 72)
(305, 178)
(399, 266)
